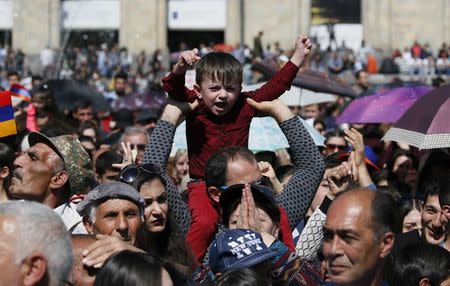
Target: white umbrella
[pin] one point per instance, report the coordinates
(265, 135)
(297, 96)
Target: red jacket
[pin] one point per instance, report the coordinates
(209, 133)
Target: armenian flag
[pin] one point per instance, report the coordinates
(21, 92)
(7, 121)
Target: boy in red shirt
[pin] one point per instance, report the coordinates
(222, 119)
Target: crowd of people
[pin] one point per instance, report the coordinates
(98, 198)
(97, 64)
(417, 60)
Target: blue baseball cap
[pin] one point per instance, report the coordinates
(238, 248)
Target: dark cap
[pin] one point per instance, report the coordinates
(123, 118)
(238, 248)
(111, 190)
(262, 196)
(147, 115)
(76, 159)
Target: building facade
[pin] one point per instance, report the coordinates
(149, 24)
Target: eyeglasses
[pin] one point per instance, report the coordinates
(140, 147)
(132, 172)
(334, 146)
(263, 181)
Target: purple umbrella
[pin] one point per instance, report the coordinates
(385, 107)
(139, 101)
(426, 124)
(384, 87)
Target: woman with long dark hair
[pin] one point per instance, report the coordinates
(162, 234)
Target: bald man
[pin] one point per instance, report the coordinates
(358, 236)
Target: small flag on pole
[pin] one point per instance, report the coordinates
(7, 121)
(20, 92)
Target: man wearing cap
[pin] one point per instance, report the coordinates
(51, 171)
(114, 209)
(114, 212)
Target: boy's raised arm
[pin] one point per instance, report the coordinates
(174, 83)
(302, 50)
(282, 80)
(186, 60)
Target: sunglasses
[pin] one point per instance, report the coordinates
(334, 146)
(132, 172)
(263, 181)
(140, 147)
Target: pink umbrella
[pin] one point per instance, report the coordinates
(385, 107)
(426, 125)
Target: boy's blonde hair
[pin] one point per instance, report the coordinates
(218, 66)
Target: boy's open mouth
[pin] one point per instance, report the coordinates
(221, 104)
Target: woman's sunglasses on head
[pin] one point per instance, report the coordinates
(132, 172)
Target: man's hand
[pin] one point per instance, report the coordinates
(275, 108)
(302, 50)
(185, 60)
(340, 177)
(175, 110)
(268, 171)
(355, 139)
(128, 157)
(105, 246)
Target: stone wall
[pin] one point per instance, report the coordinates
(391, 24)
(281, 21)
(388, 24)
(36, 24)
(143, 25)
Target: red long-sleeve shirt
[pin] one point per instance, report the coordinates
(207, 133)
